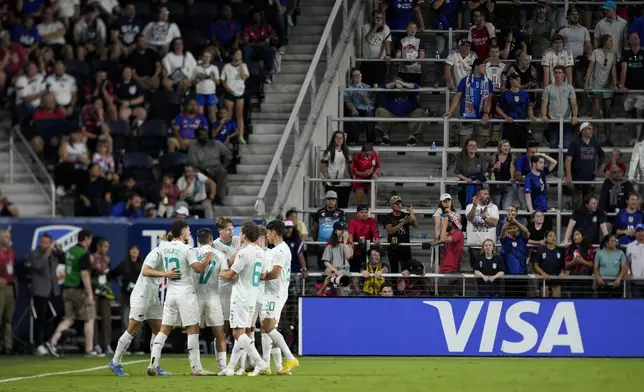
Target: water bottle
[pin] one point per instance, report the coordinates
(433, 145)
(437, 55)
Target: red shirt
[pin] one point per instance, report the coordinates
(8, 265)
(451, 256)
(89, 120)
(362, 163)
(259, 33)
(622, 167)
(363, 228)
(57, 114)
(481, 41)
(17, 58)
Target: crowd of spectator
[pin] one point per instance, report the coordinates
(103, 88)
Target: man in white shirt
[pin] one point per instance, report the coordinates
(29, 89)
(246, 274)
(494, 68)
(63, 86)
(52, 33)
(144, 305)
(635, 257)
(554, 56)
(613, 25)
(483, 218)
(459, 64)
(197, 190)
(159, 34)
(90, 35)
(277, 281)
(181, 304)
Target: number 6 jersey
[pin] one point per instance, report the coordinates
(248, 266)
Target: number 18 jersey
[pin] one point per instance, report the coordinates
(179, 256)
(248, 266)
(207, 282)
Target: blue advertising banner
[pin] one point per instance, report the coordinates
(471, 327)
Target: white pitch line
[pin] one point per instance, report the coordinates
(68, 372)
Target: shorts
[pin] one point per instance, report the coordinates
(241, 316)
(634, 101)
(258, 312)
(181, 309)
(232, 97)
(142, 308)
(211, 311)
(473, 129)
(77, 306)
(206, 99)
(361, 186)
(224, 299)
(272, 308)
(593, 86)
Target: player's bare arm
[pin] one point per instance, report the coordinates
(152, 273)
(228, 274)
(201, 266)
(272, 274)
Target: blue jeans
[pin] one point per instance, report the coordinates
(354, 129)
(265, 53)
(278, 21)
(553, 135)
(507, 194)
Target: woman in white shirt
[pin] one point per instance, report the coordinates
(207, 79)
(336, 164)
(160, 34)
(234, 78)
(602, 75)
(73, 158)
(179, 66)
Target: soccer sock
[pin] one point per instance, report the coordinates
(266, 347)
(250, 349)
(251, 336)
(235, 355)
(194, 354)
(121, 348)
(152, 341)
(276, 353)
(221, 360)
(242, 359)
(279, 340)
(157, 347)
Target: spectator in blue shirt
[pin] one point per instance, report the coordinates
(536, 187)
(474, 95)
(447, 18)
(225, 129)
(402, 103)
(26, 33)
(402, 12)
(359, 104)
(130, 208)
(32, 7)
(638, 26)
(583, 158)
(515, 104)
(124, 32)
(185, 126)
(514, 249)
(225, 32)
(627, 219)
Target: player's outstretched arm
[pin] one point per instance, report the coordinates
(152, 273)
(228, 274)
(201, 266)
(272, 274)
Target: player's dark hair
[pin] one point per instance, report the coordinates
(46, 235)
(204, 236)
(290, 212)
(277, 226)
(223, 221)
(385, 285)
(250, 231)
(84, 234)
(177, 228)
(262, 231)
(535, 159)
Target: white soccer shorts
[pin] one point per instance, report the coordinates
(211, 311)
(145, 307)
(241, 316)
(272, 308)
(181, 309)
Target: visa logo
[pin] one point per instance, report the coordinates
(457, 339)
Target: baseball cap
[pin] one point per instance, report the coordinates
(182, 211)
(464, 41)
(150, 206)
(289, 223)
(395, 199)
(331, 195)
(584, 126)
(339, 225)
(609, 4)
(639, 226)
(446, 196)
(362, 207)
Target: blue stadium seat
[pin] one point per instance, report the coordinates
(144, 9)
(164, 105)
(118, 130)
(50, 128)
(195, 40)
(80, 70)
(173, 163)
(140, 165)
(153, 137)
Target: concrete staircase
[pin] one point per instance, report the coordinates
(270, 122)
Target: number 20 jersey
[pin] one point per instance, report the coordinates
(248, 265)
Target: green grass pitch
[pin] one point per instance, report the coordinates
(331, 374)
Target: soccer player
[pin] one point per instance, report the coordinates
(277, 280)
(245, 273)
(144, 305)
(181, 305)
(207, 287)
(228, 245)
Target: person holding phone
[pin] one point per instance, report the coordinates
(398, 224)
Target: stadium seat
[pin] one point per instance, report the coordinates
(50, 128)
(144, 9)
(205, 8)
(118, 131)
(172, 163)
(152, 191)
(195, 40)
(80, 70)
(177, 11)
(153, 136)
(164, 105)
(140, 165)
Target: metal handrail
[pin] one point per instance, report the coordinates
(51, 197)
(445, 89)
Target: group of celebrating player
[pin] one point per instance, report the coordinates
(233, 280)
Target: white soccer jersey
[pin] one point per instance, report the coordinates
(461, 67)
(494, 72)
(209, 76)
(179, 256)
(279, 256)
(147, 286)
(228, 249)
(207, 282)
(248, 266)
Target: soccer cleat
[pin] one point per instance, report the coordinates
(52, 350)
(41, 351)
(162, 372)
(284, 374)
(117, 369)
(94, 354)
(152, 371)
(289, 365)
(267, 372)
(227, 372)
(260, 368)
(240, 372)
(201, 372)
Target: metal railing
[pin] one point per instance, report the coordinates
(49, 194)
(333, 57)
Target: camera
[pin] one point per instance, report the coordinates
(339, 281)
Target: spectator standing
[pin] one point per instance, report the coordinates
(482, 35)
(453, 240)
(8, 289)
(459, 64)
(206, 80)
(612, 25)
(212, 158)
(538, 229)
(372, 271)
(635, 258)
(632, 78)
(539, 31)
(197, 190)
(402, 12)
(362, 229)
(376, 45)
(90, 36)
(555, 56)
(559, 101)
(94, 194)
(448, 17)
(185, 127)
(614, 192)
(536, 186)
(325, 218)
(300, 226)
(444, 208)
(258, 38)
(511, 43)
(403, 103)
(161, 33)
(579, 258)
(610, 269)
(616, 156)
(583, 158)
(526, 71)
(474, 96)
(364, 166)
(409, 48)
(124, 32)
(398, 225)
(359, 104)
(575, 36)
(494, 68)
(336, 163)
(132, 208)
(179, 66)
(13, 57)
(499, 169)
(589, 219)
(483, 218)
(515, 104)
(234, 77)
(100, 270)
(41, 264)
(73, 158)
(627, 219)
(68, 11)
(225, 32)
(146, 64)
(470, 168)
(602, 75)
(514, 249)
(489, 267)
(549, 262)
(294, 241)
(93, 123)
(64, 88)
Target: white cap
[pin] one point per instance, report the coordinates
(446, 196)
(331, 195)
(182, 211)
(584, 125)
